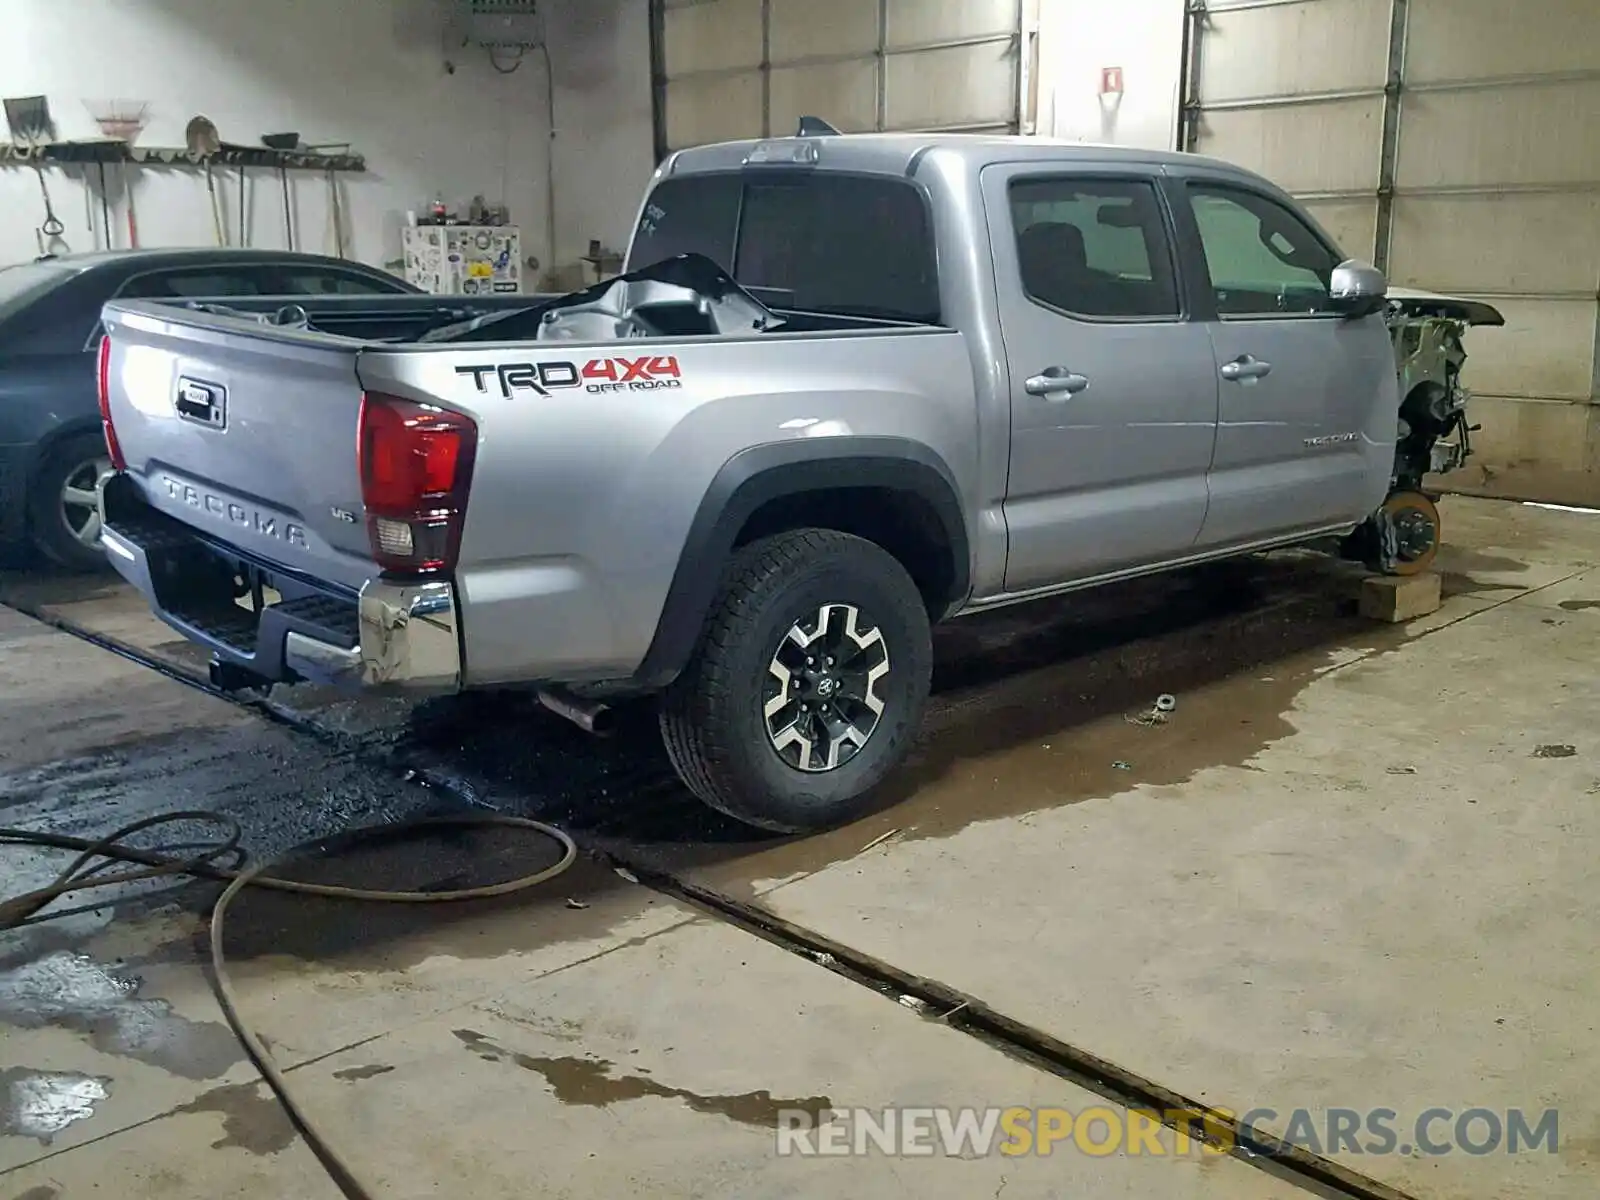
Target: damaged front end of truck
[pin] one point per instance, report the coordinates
(1435, 434)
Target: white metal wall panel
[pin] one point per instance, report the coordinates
(1478, 39)
(845, 94)
(957, 87)
(713, 108)
(1523, 244)
(1306, 48)
(1511, 135)
(712, 35)
(815, 28)
(1294, 90)
(1319, 148)
(1351, 223)
(743, 68)
(1498, 190)
(923, 22)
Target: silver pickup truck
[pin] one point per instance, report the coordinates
(954, 373)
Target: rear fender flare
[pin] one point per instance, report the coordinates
(755, 477)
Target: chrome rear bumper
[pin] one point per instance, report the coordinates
(392, 635)
(408, 638)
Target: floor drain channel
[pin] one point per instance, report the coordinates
(1310, 1172)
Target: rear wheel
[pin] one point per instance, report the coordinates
(63, 507)
(808, 686)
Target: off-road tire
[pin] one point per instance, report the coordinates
(45, 524)
(712, 717)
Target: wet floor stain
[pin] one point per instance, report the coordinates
(1460, 559)
(252, 1118)
(1579, 605)
(356, 1074)
(1555, 750)
(42, 1104)
(43, 1192)
(72, 991)
(589, 1082)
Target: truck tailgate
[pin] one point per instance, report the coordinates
(243, 431)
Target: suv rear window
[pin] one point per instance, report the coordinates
(23, 283)
(846, 244)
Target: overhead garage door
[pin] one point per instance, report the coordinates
(752, 68)
(1455, 142)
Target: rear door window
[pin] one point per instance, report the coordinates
(818, 241)
(1094, 247)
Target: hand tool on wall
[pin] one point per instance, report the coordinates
(203, 142)
(49, 233)
(105, 207)
(284, 142)
(29, 120)
(133, 222)
(338, 216)
(288, 209)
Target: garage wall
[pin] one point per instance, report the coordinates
(750, 68)
(1080, 38)
(370, 72)
(1454, 142)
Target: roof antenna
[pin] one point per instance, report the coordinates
(815, 127)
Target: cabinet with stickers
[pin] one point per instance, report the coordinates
(470, 260)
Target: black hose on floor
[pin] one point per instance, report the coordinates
(89, 870)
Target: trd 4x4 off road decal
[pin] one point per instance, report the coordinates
(645, 374)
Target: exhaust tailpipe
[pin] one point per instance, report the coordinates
(588, 715)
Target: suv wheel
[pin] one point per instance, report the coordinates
(808, 686)
(63, 509)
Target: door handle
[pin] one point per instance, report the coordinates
(1243, 368)
(1055, 383)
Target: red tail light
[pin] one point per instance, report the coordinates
(416, 466)
(113, 448)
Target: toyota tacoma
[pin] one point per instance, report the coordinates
(846, 387)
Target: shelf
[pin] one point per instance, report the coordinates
(110, 151)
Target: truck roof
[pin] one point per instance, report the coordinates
(897, 153)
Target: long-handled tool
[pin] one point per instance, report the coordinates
(338, 216)
(29, 120)
(133, 221)
(105, 208)
(203, 142)
(49, 233)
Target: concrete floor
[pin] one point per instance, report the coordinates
(1354, 869)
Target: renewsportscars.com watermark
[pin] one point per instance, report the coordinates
(1100, 1131)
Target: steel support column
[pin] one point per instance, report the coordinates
(1389, 150)
(1189, 110)
(658, 77)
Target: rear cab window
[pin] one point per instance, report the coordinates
(813, 241)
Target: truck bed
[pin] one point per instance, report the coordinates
(591, 455)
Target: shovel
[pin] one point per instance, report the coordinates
(29, 120)
(203, 141)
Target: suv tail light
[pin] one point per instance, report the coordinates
(416, 466)
(113, 448)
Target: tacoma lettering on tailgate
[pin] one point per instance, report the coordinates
(235, 513)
